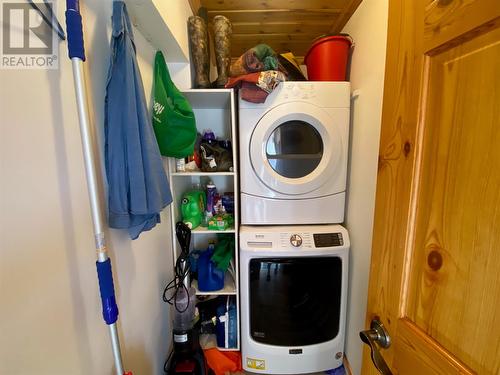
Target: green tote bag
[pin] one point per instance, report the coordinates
(173, 118)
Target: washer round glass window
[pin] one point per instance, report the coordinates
(294, 149)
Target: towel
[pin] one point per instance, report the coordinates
(137, 184)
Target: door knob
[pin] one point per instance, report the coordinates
(377, 337)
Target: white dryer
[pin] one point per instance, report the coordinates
(293, 154)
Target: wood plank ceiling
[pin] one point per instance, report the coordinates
(286, 25)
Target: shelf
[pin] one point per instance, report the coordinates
(190, 174)
(205, 230)
(228, 290)
(209, 98)
(214, 109)
(227, 349)
(161, 25)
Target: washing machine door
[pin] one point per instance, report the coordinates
(295, 148)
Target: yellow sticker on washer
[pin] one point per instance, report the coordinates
(257, 364)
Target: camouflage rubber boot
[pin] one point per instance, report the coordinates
(198, 40)
(222, 31)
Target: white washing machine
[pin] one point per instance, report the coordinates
(293, 297)
(293, 154)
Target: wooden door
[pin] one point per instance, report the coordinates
(435, 272)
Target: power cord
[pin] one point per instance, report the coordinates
(167, 362)
(182, 268)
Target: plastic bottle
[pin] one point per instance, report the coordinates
(211, 192)
(232, 328)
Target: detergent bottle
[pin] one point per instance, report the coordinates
(193, 207)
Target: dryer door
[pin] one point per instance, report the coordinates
(295, 148)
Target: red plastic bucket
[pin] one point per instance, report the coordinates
(327, 58)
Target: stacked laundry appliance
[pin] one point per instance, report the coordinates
(293, 252)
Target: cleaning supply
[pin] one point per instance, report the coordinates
(228, 202)
(186, 356)
(226, 323)
(210, 278)
(76, 52)
(223, 251)
(208, 136)
(192, 208)
(220, 222)
(211, 193)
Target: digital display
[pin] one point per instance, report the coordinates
(328, 239)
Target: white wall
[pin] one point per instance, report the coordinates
(50, 314)
(175, 13)
(368, 27)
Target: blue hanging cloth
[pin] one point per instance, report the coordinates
(138, 185)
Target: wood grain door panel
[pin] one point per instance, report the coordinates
(435, 273)
(457, 232)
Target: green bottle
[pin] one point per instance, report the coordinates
(193, 207)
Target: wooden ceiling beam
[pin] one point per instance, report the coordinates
(271, 11)
(275, 36)
(274, 4)
(282, 15)
(306, 27)
(345, 15)
(299, 48)
(286, 25)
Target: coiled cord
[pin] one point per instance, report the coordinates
(181, 270)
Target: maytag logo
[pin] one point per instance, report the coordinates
(28, 42)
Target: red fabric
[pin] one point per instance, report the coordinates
(250, 77)
(248, 89)
(223, 362)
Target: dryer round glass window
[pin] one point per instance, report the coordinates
(294, 149)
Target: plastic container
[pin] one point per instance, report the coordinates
(226, 324)
(183, 320)
(228, 202)
(192, 208)
(327, 58)
(210, 278)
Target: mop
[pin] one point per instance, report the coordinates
(76, 53)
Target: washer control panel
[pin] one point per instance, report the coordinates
(294, 238)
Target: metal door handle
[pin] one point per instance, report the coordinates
(377, 337)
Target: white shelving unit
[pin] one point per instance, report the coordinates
(214, 109)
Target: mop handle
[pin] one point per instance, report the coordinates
(76, 52)
(74, 29)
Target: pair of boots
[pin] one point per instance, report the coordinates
(198, 39)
